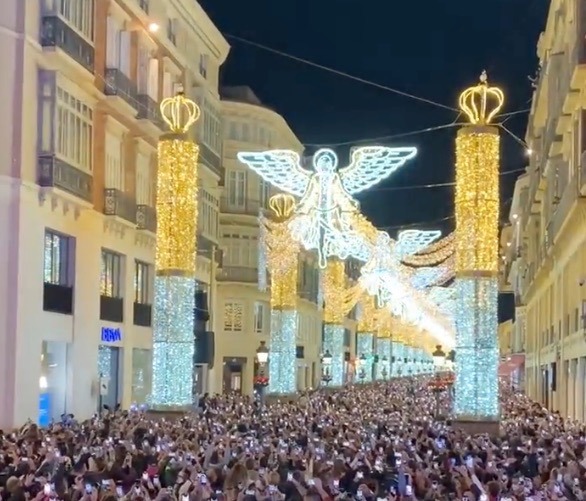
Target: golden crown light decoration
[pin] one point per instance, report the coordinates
(175, 261)
(477, 213)
(282, 254)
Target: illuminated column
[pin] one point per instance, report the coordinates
(477, 211)
(174, 295)
(282, 256)
(384, 323)
(335, 309)
(366, 331)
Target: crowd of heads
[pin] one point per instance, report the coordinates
(366, 442)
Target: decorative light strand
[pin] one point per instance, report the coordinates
(282, 357)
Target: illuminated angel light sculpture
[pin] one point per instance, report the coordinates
(323, 218)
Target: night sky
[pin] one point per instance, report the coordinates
(429, 48)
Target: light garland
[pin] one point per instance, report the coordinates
(282, 357)
(324, 214)
(434, 254)
(477, 204)
(175, 261)
(336, 300)
(365, 354)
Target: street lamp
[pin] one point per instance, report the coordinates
(385, 372)
(362, 373)
(262, 358)
(326, 361)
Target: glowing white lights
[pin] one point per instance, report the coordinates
(365, 353)
(383, 350)
(334, 343)
(173, 345)
(477, 344)
(324, 214)
(282, 363)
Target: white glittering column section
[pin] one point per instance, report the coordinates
(173, 342)
(282, 352)
(383, 350)
(334, 343)
(365, 347)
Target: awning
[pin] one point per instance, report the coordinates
(510, 364)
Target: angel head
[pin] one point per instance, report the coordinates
(325, 160)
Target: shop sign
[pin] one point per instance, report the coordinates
(111, 335)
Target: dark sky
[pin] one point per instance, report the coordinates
(430, 48)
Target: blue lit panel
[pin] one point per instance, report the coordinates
(476, 388)
(365, 347)
(334, 343)
(383, 349)
(282, 360)
(173, 344)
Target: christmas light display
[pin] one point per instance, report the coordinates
(174, 294)
(324, 214)
(384, 352)
(477, 204)
(397, 349)
(282, 253)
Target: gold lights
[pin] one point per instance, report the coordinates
(477, 199)
(367, 320)
(384, 323)
(477, 181)
(481, 103)
(282, 254)
(337, 303)
(177, 190)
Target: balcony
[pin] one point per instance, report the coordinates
(206, 248)
(148, 109)
(120, 204)
(146, 218)
(118, 85)
(247, 208)
(238, 274)
(560, 216)
(111, 309)
(212, 160)
(57, 298)
(57, 34)
(583, 174)
(142, 315)
(55, 173)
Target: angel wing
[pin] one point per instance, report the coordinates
(413, 241)
(281, 168)
(369, 165)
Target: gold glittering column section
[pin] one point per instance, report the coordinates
(174, 297)
(366, 329)
(282, 260)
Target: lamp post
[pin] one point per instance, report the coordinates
(439, 360)
(262, 358)
(385, 372)
(326, 361)
(362, 371)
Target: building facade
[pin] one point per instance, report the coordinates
(244, 310)
(77, 192)
(546, 258)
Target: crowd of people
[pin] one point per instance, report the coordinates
(365, 442)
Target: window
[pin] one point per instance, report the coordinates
(203, 65)
(233, 316)
(260, 314)
(144, 5)
(233, 131)
(114, 162)
(80, 15)
(144, 181)
(241, 250)
(264, 193)
(237, 188)
(210, 126)
(147, 73)
(58, 257)
(117, 46)
(172, 31)
(74, 131)
(142, 282)
(208, 214)
(112, 277)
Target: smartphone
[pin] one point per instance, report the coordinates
(47, 489)
(119, 491)
(408, 490)
(185, 498)
(88, 488)
(145, 476)
(360, 475)
(336, 483)
(469, 461)
(289, 477)
(310, 481)
(398, 462)
(203, 480)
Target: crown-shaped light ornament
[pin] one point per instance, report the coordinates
(481, 103)
(282, 205)
(179, 112)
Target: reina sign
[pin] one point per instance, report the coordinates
(111, 335)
